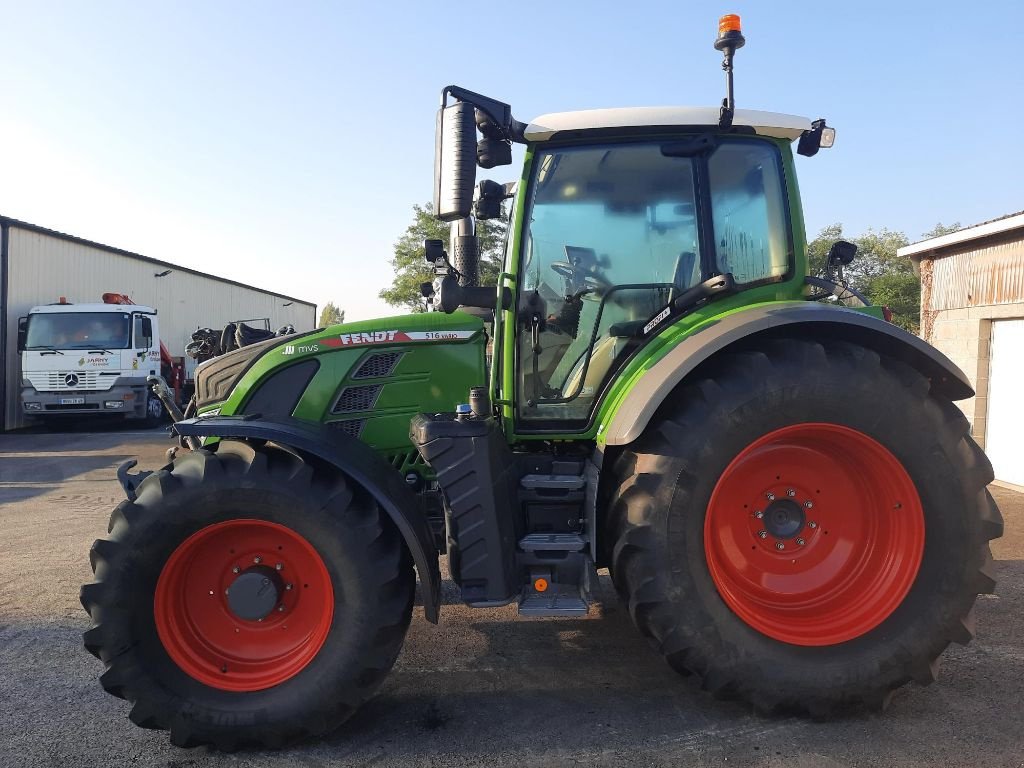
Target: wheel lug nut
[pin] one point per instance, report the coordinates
(278, 566)
(288, 587)
(790, 492)
(812, 525)
(800, 542)
(779, 545)
(770, 496)
(762, 534)
(236, 569)
(809, 505)
(257, 559)
(280, 609)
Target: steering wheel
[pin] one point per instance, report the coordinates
(580, 281)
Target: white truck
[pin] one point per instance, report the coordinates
(81, 359)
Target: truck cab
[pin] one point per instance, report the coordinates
(89, 359)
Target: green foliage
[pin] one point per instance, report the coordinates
(411, 270)
(941, 229)
(331, 315)
(817, 249)
(877, 272)
(901, 292)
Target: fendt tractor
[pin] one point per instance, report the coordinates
(785, 494)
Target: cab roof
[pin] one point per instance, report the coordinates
(772, 124)
(69, 307)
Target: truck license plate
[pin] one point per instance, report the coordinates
(72, 401)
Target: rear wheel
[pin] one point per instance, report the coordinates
(246, 599)
(805, 527)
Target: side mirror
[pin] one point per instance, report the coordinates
(22, 333)
(454, 161)
(841, 253)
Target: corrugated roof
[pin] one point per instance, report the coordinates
(8, 221)
(996, 226)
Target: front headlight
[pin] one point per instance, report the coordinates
(33, 406)
(113, 404)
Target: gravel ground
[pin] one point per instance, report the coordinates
(483, 688)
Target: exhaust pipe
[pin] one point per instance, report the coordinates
(465, 251)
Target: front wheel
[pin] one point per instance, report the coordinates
(805, 527)
(246, 599)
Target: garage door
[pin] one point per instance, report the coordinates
(1004, 439)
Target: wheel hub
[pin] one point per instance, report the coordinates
(253, 595)
(784, 519)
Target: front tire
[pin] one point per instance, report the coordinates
(805, 526)
(247, 599)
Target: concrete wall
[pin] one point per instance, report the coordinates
(43, 267)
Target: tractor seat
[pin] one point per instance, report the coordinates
(602, 359)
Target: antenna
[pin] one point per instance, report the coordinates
(730, 39)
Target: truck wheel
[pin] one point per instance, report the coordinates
(154, 410)
(247, 599)
(805, 527)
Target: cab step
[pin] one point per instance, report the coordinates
(552, 542)
(553, 603)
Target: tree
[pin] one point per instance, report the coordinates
(877, 272)
(941, 229)
(331, 315)
(411, 270)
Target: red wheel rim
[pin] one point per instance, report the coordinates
(203, 633)
(814, 534)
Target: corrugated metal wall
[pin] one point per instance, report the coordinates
(977, 276)
(43, 268)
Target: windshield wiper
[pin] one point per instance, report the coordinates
(52, 350)
(100, 352)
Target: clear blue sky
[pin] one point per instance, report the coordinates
(284, 144)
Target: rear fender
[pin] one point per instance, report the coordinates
(808, 321)
(357, 461)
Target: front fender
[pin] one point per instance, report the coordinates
(354, 459)
(806, 320)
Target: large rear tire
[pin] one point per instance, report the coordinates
(247, 599)
(805, 527)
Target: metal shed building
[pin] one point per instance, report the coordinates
(38, 265)
(972, 308)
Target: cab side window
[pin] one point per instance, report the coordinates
(749, 211)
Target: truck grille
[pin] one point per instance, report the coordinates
(63, 381)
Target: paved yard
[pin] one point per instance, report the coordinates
(483, 688)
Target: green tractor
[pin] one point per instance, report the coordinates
(787, 499)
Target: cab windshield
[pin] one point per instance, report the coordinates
(614, 233)
(78, 330)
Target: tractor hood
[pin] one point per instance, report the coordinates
(367, 378)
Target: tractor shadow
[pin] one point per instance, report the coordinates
(591, 691)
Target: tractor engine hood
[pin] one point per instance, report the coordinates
(323, 375)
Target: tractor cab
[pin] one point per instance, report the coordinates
(625, 221)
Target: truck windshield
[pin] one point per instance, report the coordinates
(614, 232)
(78, 330)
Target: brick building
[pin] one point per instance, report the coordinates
(972, 308)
